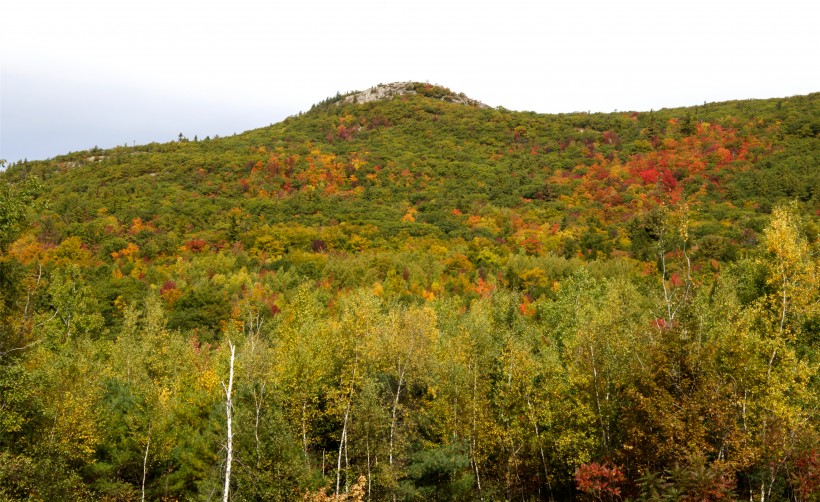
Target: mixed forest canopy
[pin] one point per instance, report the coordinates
(407, 295)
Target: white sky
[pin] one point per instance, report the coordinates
(81, 73)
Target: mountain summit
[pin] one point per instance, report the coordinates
(389, 91)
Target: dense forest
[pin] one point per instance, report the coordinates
(420, 298)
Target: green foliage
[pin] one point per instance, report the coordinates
(453, 301)
(203, 307)
(440, 474)
(14, 201)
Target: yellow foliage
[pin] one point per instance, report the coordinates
(207, 380)
(26, 250)
(164, 395)
(358, 243)
(74, 427)
(356, 494)
(534, 277)
(139, 270)
(137, 226)
(791, 267)
(171, 295)
(270, 245)
(71, 250)
(438, 251)
(120, 302)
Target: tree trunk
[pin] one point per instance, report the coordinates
(393, 416)
(228, 413)
(343, 442)
(304, 437)
(145, 465)
(474, 442)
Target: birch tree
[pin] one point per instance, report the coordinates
(229, 424)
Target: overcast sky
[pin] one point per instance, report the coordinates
(84, 73)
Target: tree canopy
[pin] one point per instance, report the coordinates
(420, 298)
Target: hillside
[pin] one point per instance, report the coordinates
(451, 300)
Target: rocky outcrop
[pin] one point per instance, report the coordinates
(388, 91)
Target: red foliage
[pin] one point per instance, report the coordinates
(649, 176)
(600, 480)
(532, 245)
(344, 132)
(611, 138)
(196, 245)
(669, 180)
(318, 246)
(169, 285)
(662, 324)
(806, 475)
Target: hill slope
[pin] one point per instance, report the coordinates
(449, 299)
(371, 163)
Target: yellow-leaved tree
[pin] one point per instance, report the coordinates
(783, 395)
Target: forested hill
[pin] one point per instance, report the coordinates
(454, 301)
(420, 165)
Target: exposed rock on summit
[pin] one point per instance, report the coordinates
(388, 91)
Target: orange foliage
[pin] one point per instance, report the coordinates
(409, 216)
(130, 251)
(526, 307)
(484, 288)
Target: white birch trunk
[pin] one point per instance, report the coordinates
(228, 413)
(145, 465)
(343, 442)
